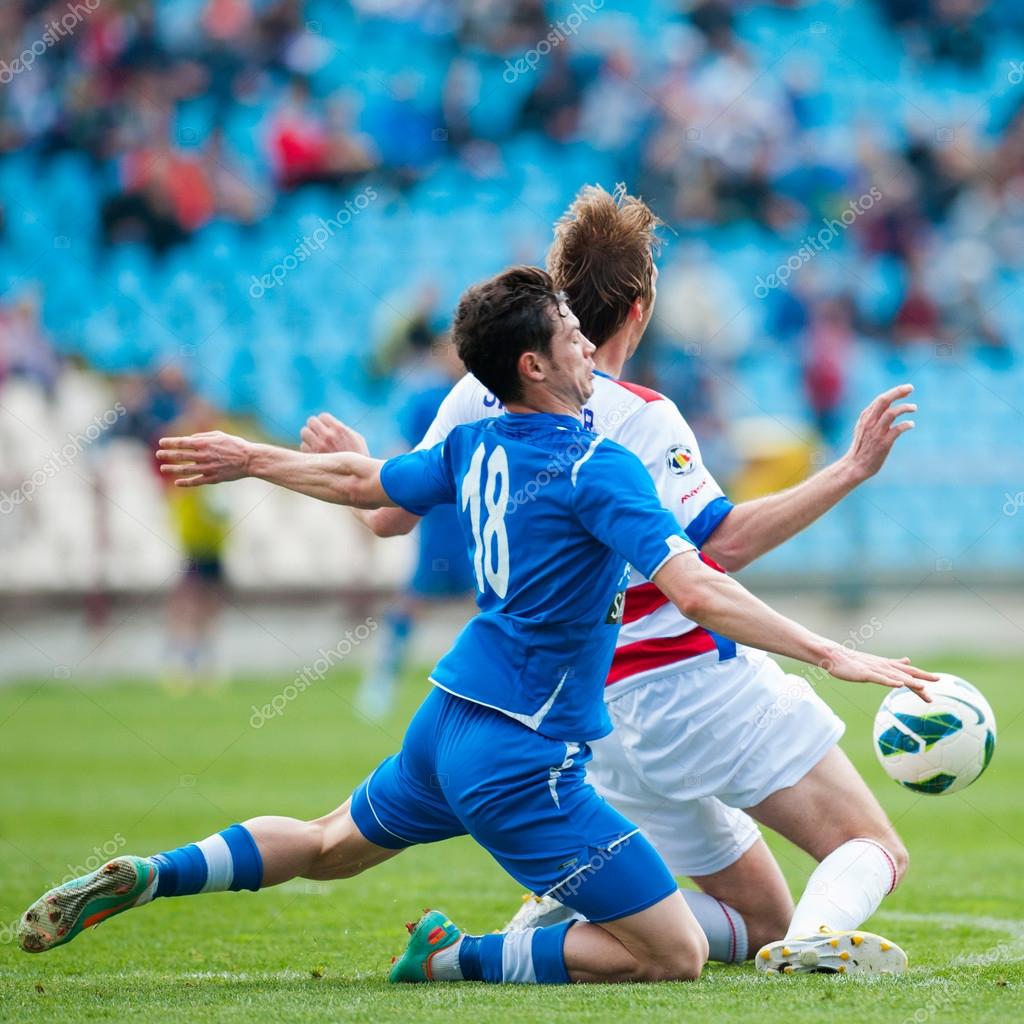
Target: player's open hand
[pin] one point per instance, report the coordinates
(876, 430)
(861, 667)
(212, 457)
(325, 433)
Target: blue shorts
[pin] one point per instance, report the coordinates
(466, 769)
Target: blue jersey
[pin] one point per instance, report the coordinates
(552, 515)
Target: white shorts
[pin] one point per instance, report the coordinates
(693, 747)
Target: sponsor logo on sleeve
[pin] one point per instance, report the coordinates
(694, 492)
(615, 611)
(680, 460)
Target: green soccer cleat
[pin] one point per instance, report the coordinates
(831, 952)
(432, 933)
(63, 912)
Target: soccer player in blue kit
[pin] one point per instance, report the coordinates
(552, 513)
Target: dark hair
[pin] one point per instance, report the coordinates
(601, 257)
(500, 319)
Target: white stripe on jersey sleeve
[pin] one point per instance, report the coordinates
(578, 464)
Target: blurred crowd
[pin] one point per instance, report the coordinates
(740, 139)
(267, 208)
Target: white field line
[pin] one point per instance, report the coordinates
(1011, 951)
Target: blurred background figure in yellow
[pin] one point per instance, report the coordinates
(194, 604)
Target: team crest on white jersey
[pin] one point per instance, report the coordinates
(680, 460)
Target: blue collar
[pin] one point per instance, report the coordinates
(526, 421)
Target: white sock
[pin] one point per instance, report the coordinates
(444, 965)
(845, 889)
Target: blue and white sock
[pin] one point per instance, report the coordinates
(228, 860)
(533, 956)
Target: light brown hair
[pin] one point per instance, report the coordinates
(602, 257)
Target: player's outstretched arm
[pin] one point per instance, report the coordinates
(324, 434)
(213, 457)
(720, 603)
(755, 527)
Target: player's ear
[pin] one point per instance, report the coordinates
(638, 310)
(531, 367)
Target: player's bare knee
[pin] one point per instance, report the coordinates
(685, 961)
(684, 965)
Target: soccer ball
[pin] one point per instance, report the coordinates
(939, 747)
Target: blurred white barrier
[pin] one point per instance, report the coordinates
(80, 511)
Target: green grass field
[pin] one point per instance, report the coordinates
(92, 769)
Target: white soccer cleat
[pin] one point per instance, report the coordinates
(831, 952)
(539, 912)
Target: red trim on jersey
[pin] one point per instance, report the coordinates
(709, 561)
(644, 655)
(646, 598)
(641, 600)
(640, 391)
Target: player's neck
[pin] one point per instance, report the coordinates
(540, 400)
(611, 357)
(559, 409)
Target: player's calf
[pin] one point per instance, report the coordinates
(751, 888)
(665, 942)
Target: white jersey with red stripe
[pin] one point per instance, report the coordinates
(655, 637)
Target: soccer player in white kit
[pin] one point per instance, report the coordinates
(709, 737)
